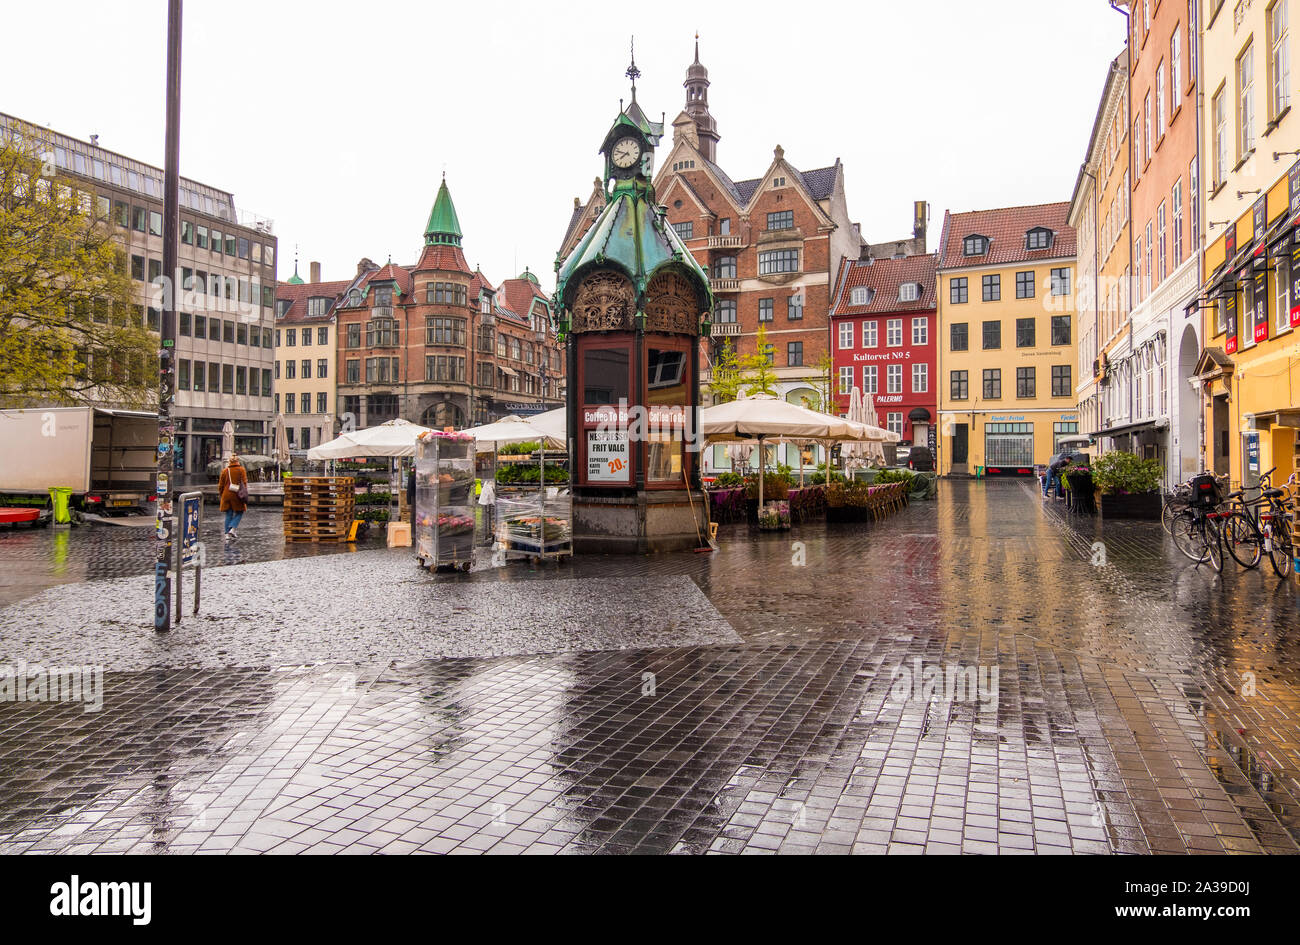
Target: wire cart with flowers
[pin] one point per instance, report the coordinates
(444, 500)
(535, 522)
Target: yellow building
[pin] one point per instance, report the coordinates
(306, 378)
(1007, 347)
(1248, 374)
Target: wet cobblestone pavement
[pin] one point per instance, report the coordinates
(1146, 705)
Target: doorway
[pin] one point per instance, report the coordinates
(960, 443)
(1220, 435)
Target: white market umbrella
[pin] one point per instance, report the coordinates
(227, 440)
(554, 424)
(394, 438)
(512, 429)
(739, 454)
(856, 454)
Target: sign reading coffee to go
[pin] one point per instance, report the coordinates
(608, 457)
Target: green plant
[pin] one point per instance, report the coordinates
(520, 449)
(775, 486)
(895, 475)
(820, 476)
(728, 480)
(1120, 472)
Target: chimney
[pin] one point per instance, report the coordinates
(315, 273)
(920, 222)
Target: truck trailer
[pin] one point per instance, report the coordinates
(107, 457)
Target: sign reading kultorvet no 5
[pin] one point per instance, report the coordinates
(886, 356)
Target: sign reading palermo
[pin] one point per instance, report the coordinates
(76, 898)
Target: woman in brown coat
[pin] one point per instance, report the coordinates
(233, 477)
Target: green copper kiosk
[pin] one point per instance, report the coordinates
(631, 305)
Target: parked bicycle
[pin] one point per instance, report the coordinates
(1195, 527)
(1256, 527)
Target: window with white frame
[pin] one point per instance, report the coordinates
(870, 385)
(1176, 64)
(894, 379)
(909, 292)
(846, 379)
(920, 330)
(860, 295)
(1176, 201)
(1161, 230)
(895, 422)
(1160, 100)
(1219, 120)
(894, 332)
(1246, 101)
(1279, 59)
(870, 333)
(920, 378)
(846, 335)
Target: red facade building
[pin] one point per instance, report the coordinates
(883, 327)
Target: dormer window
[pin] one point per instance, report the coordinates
(909, 292)
(975, 245)
(282, 307)
(354, 297)
(1040, 237)
(383, 295)
(318, 306)
(861, 295)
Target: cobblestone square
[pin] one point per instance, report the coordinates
(729, 703)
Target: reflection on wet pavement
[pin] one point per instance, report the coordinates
(1141, 706)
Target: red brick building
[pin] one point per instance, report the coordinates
(437, 344)
(883, 327)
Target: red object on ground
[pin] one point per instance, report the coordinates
(9, 516)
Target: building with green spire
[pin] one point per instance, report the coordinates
(438, 344)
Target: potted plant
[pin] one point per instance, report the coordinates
(775, 486)
(1129, 486)
(774, 516)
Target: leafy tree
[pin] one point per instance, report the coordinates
(68, 331)
(821, 383)
(726, 381)
(759, 377)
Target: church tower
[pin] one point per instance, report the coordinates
(697, 106)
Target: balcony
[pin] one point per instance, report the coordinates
(725, 285)
(721, 329)
(381, 311)
(730, 241)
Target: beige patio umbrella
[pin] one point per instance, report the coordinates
(227, 440)
(875, 452)
(764, 416)
(857, 453)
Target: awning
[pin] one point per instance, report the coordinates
(510, 372)
(919, 414)
(1124, 429)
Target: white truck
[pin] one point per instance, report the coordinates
(107, 457)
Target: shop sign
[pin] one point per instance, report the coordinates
(608, 457)
(1230, 243)
(1295, 273)
(1261, 307)
(1259, 220)
(1230, 319)
(1293, 191)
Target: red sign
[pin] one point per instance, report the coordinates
(1230, 317)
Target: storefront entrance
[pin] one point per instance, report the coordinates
(1009, 447)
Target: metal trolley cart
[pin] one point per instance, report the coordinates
(537, 523)
(444, 500)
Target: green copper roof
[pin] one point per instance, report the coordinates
(443, 226)
(295, 279)
(526, 274)
(630, 234)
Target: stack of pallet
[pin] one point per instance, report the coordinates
(318, 508)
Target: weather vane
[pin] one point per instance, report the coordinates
(633, 72)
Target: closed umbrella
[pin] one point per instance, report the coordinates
(227, 440)
(875, 452)
(281, 441)
(856, 454)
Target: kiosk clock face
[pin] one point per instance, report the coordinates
(627, 151)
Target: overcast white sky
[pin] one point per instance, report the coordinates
(337, 119)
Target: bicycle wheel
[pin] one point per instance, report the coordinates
(1240, 539)
(1188, 537)
(1280, 552)
(1214, 543)
(1171, 510)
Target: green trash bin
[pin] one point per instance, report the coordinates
(60, 496)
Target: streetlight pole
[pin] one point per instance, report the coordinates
(162, 618)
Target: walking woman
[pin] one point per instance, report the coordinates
(234, 494)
